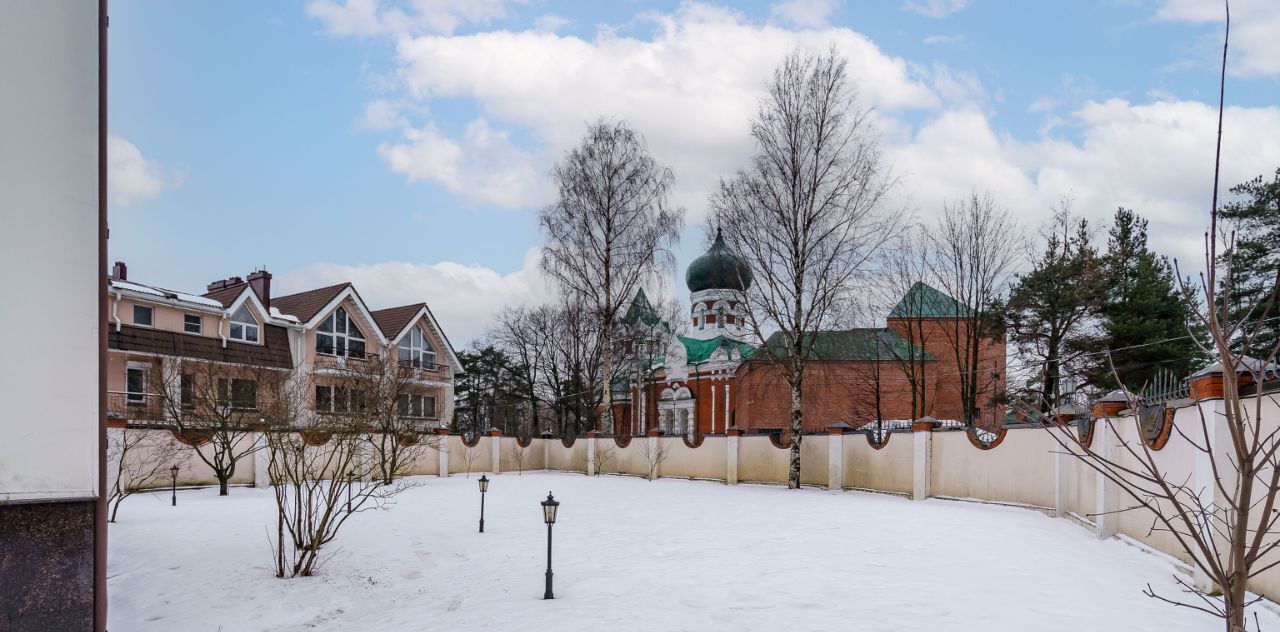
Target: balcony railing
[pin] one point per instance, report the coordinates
(135, 406)
(427, 370)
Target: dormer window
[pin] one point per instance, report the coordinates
(415, 350)
(338, 335)
(244, 327)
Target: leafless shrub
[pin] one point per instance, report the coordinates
(654, 454)
(515, 454)
(142, 459)
(604, 454)
(470, 454)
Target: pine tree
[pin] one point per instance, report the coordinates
(1256, 258)
(1144, 317)
(1050, 308)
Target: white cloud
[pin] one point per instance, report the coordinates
(1255, 48)
(935, 40)
(131, 177)
(549, 23)
(482, 165)
(1155, 158)
(366, 18)
(935, 8)
(464, 298)
(382, 115)
(691, 89)
(809, 14)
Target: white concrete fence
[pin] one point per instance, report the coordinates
(1024, 466)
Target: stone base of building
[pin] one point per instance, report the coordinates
(46, 565)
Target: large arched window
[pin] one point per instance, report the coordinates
(415, 350)
(338, 335)
(244, 326)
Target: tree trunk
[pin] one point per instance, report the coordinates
(223, 481)
(606, 395)
(793, 470)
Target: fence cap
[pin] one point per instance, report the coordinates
(592, 434)
(926, 423)
(1118, 396)
(1242, 364)
(839, 427)
(733, 430)
(654, 432)
(494, 432)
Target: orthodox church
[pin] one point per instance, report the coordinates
(717, 377)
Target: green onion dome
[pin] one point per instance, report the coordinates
(718, 269)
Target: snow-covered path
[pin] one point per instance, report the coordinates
(636, 555)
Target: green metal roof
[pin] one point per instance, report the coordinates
(718, 269)
(854, 344)
(699, 351)
(924, 301)
(641, 310)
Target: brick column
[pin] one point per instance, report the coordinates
(835, 454)
(442, 436)
(922, 463)
(495, 449)
(732, 436)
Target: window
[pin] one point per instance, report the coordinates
(336, 399)
(187, 389)
(135, 382)
(243, 326)
(415, 350)
(338, 335)
(423, 406)
(237, 393)
(192, 324)
(142, 316)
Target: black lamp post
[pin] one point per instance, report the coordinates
(549, 515)
(351, 481)
(484, 487)
(173, 473)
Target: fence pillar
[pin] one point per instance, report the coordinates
(546, 450)
(655, 450)
(442, 437)
(1207, 486)
(835, 454)
(732, 435)
(1107, 496)
(591, 452)
(1061, 466)
(495, 450)
(261, 461)
(922, 464)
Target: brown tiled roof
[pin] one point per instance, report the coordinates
(274, 352)
(393, 319)
(227, 295)
(305, 305)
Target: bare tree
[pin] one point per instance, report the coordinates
(654, 454)
(604, 454)
(516, 455)
(1229, 526)
(977, 245)
(142, 458)
(611, 227)
(806, 215)
(525, 335)
(222, 406)
(470, 454)
(904, 268)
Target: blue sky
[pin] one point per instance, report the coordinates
(405, 146)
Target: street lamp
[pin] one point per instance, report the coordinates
(351, 481)
(484, 487)
(173, 473)
(549, 515)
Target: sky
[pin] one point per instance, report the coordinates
(406, 146)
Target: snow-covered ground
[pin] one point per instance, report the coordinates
(636, 555)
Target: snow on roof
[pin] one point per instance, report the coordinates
(166, 294)
(279, 315)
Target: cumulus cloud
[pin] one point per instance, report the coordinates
(809, 14)
(690, 89)
(1254, 25)
(936, 40)
(464, 298)
(1155, 158)
(935, 8)
(367, 18)
(131, 177)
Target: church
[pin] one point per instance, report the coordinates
(718, 376)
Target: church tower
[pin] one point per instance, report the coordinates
(716, 281)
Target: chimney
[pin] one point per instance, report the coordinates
(260, 281)
(224, 283)
(120, 272)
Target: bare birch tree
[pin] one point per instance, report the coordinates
(905, 266)
(977, 245)
(1230, 525)
(806, 215)
(611, 227)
